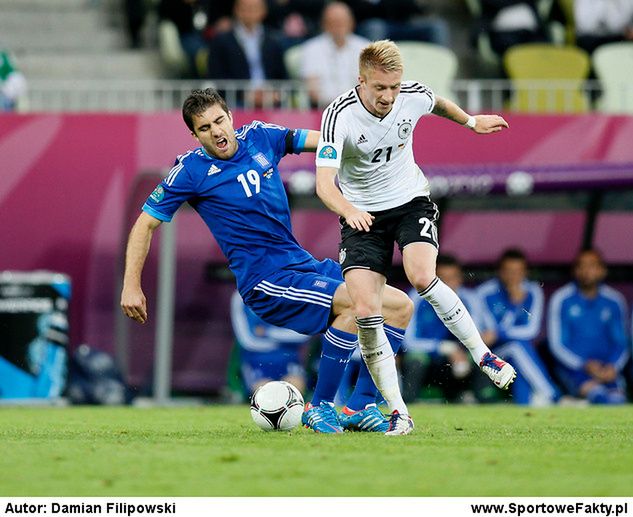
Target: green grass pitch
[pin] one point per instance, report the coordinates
(498, 450)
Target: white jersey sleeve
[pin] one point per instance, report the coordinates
(334, 131)
(421, 97)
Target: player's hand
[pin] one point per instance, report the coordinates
(594, 369)
(359, 220)
(485, 124)
(608, 373)
(134, 304)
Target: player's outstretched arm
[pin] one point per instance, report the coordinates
(482, 124)
(312, 140)
(331, 196)
(133, 302)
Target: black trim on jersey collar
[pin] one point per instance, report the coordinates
(363, 105)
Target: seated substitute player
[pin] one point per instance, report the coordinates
(267, 352)
(232, 181)
(586, 333)
(515, 305)
(429, 346)
(366, 139)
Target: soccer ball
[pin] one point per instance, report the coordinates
(277, 405)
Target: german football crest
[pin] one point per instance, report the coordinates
(404, 129)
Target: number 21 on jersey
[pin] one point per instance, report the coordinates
(250, 179)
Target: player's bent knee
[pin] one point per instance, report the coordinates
(422, 280)
(364, 310)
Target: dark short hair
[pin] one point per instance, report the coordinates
(198, 102)
(589, 251)
(447, 260)
(511, 254)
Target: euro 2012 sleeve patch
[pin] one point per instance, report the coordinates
(158, 194)
(328, 152)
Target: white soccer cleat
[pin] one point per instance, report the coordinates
(399, 424)
(501, 374)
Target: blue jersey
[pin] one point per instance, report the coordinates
(242, 200)
(580, 329)
(513, 321)
(426, 330)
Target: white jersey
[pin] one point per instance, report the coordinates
(373, 155)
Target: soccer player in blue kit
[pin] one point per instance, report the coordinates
(232, 181)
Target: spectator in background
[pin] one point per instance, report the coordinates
(12, 82)
(514, 305)
(190, 18)
(248, 51)
(330, 61)
(429, 346)
(296, 20)
(586, 333)
(602, 21)
(512, 22)
(267, 353)
(398, 20)
(135, 14)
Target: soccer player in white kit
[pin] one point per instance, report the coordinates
(366, 139)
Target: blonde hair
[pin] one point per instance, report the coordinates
(383, 55)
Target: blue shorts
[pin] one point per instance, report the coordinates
(299, 298)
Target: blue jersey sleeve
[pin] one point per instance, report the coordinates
(285, 141)
(559, 329)
(170, 193)
(619, 352)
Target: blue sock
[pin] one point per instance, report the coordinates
(365, 391)
(338, 347)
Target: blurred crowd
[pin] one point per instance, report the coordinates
(573, 348)
(256, 33)
(317, 41)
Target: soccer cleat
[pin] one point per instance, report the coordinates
(399, 424)
(501, 374)
(322, 418)
(369, 420)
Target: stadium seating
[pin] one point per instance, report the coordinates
(613, 63)
(72, 39)
(431, 64)
(536, 69)
(567, 7)
(292, 60)
(171, 53)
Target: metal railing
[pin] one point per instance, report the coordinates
(164, 95)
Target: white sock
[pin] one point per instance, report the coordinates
(378, 356)
(455, 316)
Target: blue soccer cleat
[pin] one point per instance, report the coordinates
(369, 420)
(322, 418)
(501, 374)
